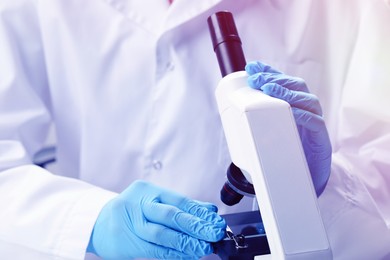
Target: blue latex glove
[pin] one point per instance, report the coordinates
(150, 222)
(308, 116)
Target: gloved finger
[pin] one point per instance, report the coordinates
(194, 208)
(207, 205)
(308, 120)
(169, 197)
(176, 219)
(257, 80)
(169, 238)
(298, 99)
(174, 199)
(190, 206)
(316, 145)
(254, 67)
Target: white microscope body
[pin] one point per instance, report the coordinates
(264, 143)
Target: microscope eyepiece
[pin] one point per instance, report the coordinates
(226, 42)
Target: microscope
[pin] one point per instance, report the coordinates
(268, 163)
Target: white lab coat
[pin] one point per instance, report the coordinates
(130, 90)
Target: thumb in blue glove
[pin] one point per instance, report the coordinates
(307, 112)
(150, 222)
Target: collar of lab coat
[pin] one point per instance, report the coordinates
(159, 17)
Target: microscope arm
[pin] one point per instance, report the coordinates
(264, 143)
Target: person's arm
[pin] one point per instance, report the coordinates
(43, 216)
(362, 146)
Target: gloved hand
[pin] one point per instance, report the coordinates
(150, 222)
(307, 113)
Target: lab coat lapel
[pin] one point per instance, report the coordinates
(147, 14)
(159, 17)
(182, 11)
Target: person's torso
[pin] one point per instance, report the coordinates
(133, 90)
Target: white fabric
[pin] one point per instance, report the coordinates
(129, 86)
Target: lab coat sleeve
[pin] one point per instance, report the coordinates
(42, 216)
(356, 202)
(45, 216)
(363, 141)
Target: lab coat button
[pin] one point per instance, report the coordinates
(157, 165)
(170, 66)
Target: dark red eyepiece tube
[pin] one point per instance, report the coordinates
(226, 42)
